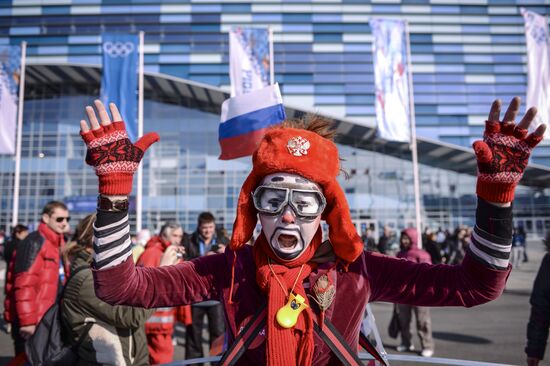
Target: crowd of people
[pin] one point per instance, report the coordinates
(40, 263)
(443, 245)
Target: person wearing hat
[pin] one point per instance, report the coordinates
(291, 296)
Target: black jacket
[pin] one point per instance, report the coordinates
(539, 321)
(192, 247)
(9, 248)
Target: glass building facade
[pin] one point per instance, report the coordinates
(464, 53)
(183, 176)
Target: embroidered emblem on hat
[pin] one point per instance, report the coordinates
(298, 146)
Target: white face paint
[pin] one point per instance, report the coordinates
(287, 233)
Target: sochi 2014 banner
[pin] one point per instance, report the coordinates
(120, 77)
(10, 68)
(248, 59)
(538, 63)
(389, 51)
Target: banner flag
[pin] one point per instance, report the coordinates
(248, 59)
(10, 72)
(538, 66)
(389, 51)
(120, 76)
(246, 117)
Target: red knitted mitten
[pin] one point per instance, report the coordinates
(114, 157)
(502, 157)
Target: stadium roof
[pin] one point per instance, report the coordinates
(208, 98)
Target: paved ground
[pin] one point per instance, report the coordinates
(494, 332)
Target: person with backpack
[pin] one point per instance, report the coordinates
(117, 336)
(38, 272)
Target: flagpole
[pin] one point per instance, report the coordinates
(139, 196)
(413, 144)
(16, 180)
(271, 60)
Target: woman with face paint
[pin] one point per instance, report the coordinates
(292, 299)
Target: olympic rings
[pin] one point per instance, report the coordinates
(118, 49)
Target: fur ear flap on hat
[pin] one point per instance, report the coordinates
(345, 240)
(246, 219)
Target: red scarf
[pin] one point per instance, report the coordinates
(286, 346)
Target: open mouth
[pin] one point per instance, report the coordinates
(287, 241)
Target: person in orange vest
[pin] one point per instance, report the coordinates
(163, 250)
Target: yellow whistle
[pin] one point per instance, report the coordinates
(287, 316)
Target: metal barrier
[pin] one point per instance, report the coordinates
(366, 356)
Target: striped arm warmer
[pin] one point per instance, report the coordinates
(112, 244)
(492, 235)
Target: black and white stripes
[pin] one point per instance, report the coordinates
(491, 249)
(112, 244)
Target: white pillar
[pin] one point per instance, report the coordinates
(413, 144)
(17, 177)
(139, 194)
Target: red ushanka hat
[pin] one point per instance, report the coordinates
(308, 154)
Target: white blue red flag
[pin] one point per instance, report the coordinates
(538, 66)
(246, 117)
(389, 49)
(120, 77)
(10, 69)
(249, 63)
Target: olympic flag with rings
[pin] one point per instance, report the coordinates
(120, 77)
(10, 69)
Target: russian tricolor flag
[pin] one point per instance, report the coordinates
(246, 117)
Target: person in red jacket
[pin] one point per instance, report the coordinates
(39, 272)
(292, 298)
(164, 249)
(410, 251)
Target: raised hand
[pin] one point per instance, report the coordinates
(503, 154)
(110, 151)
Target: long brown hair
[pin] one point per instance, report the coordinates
(82, 239)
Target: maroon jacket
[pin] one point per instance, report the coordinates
(372, 277)
(414, 253)
(36, 279)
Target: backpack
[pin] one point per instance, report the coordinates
(46, 347)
